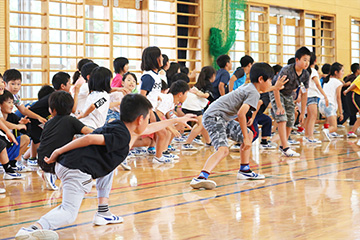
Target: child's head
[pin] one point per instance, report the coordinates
(180, 76)
(337, 70)
(151, 59)
(164, 86)
(77, 74)
(61, 81)
(44, 91)
(262, 73)
(224, 61)
(184, 70)
(100, 79)
(246, 63)
(129, 81)
(179, 89)
(207, 75)
(355, 68)
(277, 68)
(12, 78)
(291, 61)
(135, 108)
(2, 84)
(121, 65)
(60, 103)
(173, 69)
(87, 69)
(325, 69)
(7, 102)
(302, 58)
(166, 63)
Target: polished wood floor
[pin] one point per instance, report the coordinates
(315, 196)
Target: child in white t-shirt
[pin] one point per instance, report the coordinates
(332, 89)
(98, 102)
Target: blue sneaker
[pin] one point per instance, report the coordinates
(151, 151)
(249, 176)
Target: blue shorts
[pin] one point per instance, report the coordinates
(312, 100)
(13, 150)
(327, 111)
(112, 115)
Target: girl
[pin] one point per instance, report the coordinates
(332, 89)
(195, 104)
(314, 92)
(121, 66)
(77, 78)
(173, 69)
(98, 101)
(164, 68)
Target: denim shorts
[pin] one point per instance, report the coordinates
(312, 100)
(327, 111)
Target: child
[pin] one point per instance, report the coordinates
(19, 125)
(165, 66)
(12, 78)
(239, 76)
(220, 85)
(98, 102)
(325, 69)
(354, 92)
(77, 78)
(332, 89)
(95, 156)
(282, 102)
(314, 92)
(121, 66)
(57, 132)
(219, 121)
(196, 102)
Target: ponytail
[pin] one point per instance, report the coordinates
(77, 74)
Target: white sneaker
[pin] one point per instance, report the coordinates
(10, 176)
(311, 141)
(289, 153)
(125, 165)
(351, 135)
(358, 143)
(50, 179)
(340, 126)
(170, 155)
(202, 183)
(188, 147)
(198, 141)
(293, 142)
(335, 135)
(20, 167)
(235, 147)
(103, 220)
(267, 146)
(2, 190)
(162, 160)
(326, 135)
(139, 151)
(28, 233)
(249, 176)
(32, 162)
(151, 151)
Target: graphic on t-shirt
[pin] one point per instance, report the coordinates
(100, 102)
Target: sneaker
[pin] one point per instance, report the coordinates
(29, 233)
(202, 183)
(32, 162)
(235, 147)
(326, 135)
(249, 176)
(170, 155)
(50, 179)
(267, 146)
(351, 135)
(179, 139)
(335, 135)
(10, 176)
(198, 141)
(358, 143)
(188, 147)
(139, 151)
(125, 165)
(311, 141)
(103, 220)
(289, 153)
(316, 132)
(20, 167)
(2, 190)
(151, 151)
(340, 126)
(293, 142)
(162, 160)
(172, 149)
(208, 144)
(131, 154)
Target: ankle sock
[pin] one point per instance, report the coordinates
(245, 168)
(264, 141)
(103, 209)
(12, 163)
(204, 175)
(285, 149)
(7, 167)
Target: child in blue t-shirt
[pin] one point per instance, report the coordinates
(220, 85)
(238, 78)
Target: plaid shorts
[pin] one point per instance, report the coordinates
(289, 106)
(219, 130)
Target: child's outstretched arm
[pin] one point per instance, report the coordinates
(31, 114)
(279, 84)
(91, 139)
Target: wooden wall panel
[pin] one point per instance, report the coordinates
(2, 37)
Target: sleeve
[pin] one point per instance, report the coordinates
(77, 125)
(147, 82)
(252, 99)
(117, 81)
(100, 101)
(239, 73)
(17, 100)
(115, 140)
(225, 77)
(357, 82)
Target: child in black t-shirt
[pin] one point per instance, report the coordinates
(96, 156)
(57, 132)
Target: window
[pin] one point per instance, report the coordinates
(355, 40)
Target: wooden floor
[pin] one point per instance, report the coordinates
(315, 196)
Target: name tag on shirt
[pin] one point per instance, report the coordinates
(100, 102)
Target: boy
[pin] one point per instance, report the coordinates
(95, 156)
(220, 85)
(282, 102)
(14, 151)
(239, 76)
(219, 121)
(57, 132)
(60, 81)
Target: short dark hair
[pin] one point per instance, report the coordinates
(164, 85)
(149, 59)
(131, 74)
(180, 76)
(325, 69)
(44, 91)
(119, 64)
(87, 69)
(11, 75)
(222, 60)
(77, 74)
(62, 102)
(179, 86)
(261, 69)
(277, 68)
(100, 79)
(6, 95)
(132, 106)
(184, 70)
(246, 60)
(291, 61)
(302, 52)
(355, 67)
(60, 78)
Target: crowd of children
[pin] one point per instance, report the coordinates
(83, 132)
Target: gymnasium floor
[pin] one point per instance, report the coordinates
(315, 196)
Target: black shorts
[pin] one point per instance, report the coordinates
(3, 143)
(197, 113)
(353, 101)
(35, 133)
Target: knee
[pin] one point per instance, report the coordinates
(224, 151)
(25, 140)
(162, 133)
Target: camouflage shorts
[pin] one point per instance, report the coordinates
(219, 130)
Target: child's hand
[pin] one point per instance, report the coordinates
(301, 119)
(124, 90)
(281, 82)
(326, 102)
(81, 115)
(280, 111)
(11, 137)
(20, 127)
(246, 144)
(341, 117)
(187, 118)
(24, 120)
(250, 122)
(53, 157)
(42, 120)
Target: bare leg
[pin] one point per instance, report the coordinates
(333, 123)
(215, 158)
(311, 118)
(283, 134)
(24, 142)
